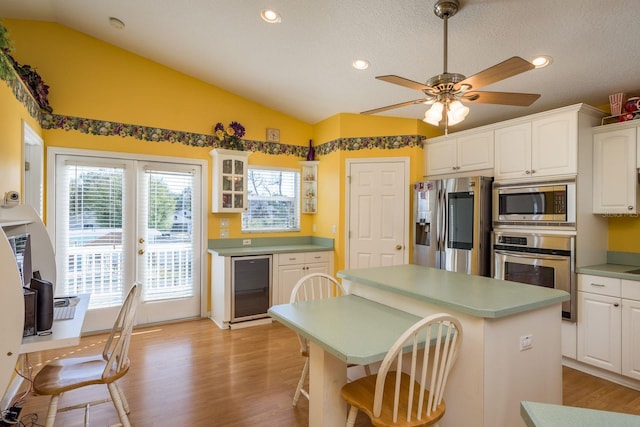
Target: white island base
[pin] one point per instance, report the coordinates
(492, 374)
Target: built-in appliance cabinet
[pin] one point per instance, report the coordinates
(542, 147)
(467, 152)
(615, 187)
(229, 180)
(287, 269)
(309, 186)
(609, 324)
(290, 267)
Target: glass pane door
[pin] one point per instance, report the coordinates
(119, 221)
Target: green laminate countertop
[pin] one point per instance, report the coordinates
(537, 414)
(474, 295)
(353, 329)
(269, 245)
(620, 271)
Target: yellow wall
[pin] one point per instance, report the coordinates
(99, 81)
(12, 114)
(624, 234)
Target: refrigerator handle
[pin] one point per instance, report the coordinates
(442, 232)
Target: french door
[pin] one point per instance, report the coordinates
(121, 220)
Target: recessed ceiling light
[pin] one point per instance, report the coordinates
(360, 64)
(116, 23)
(541, 61)
(271, 16)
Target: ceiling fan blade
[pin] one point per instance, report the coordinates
(501, 71)
(504, 98)
(404, 82)
(390, 107)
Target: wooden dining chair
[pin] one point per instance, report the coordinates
(414, 397)
(311, 287)
(63, 375)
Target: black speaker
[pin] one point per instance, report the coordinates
(29, 312)
(44, 303)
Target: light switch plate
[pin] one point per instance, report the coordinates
(224, 222)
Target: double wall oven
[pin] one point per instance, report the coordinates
(534, 236)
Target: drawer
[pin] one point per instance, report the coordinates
(310, 257)
(291, 258)
(599, 285)
(631, 289)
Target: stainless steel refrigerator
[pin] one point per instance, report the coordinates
(452, 228)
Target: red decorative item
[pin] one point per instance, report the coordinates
(632, 105)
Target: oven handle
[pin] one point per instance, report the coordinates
(532, 255)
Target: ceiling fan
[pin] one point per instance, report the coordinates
(447, 91)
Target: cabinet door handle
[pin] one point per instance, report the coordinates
(630, 208)
(616, 304)
(527, 172)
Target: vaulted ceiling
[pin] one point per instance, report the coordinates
(302, 66)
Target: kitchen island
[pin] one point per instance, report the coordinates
(511, 350)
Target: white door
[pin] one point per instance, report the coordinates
(118, 221)
(377, 217)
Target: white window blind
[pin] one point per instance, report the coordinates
(168, 228)
(89, 228)
(273, 200)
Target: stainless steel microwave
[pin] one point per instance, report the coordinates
(550, 204)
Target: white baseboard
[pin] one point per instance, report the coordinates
(249, 323)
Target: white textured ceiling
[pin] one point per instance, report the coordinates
(302, 66)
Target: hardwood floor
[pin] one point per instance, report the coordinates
(194, 374)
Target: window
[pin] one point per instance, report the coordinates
(273, 200)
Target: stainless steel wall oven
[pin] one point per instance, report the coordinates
(537, 259)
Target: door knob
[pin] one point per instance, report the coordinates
(141, 252)
(141, 240)
(398, 247)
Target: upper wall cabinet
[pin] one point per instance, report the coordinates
(543, 147)
(229, 180)
(309, 186)
(615, 188)
(451, 154)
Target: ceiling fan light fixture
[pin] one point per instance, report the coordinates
(541, 61)
(457, 113)
(434, 114)
(270, 16)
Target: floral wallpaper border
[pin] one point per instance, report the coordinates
(147, 133)
(19, 89)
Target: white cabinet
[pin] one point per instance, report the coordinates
(631, 328)
(543, 147)
(599, 322)
(615, 188)
(229, 180)
(470, 152)
(309, 186)
(290, 267)
(609, 324)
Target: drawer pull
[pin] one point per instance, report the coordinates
(600, 285)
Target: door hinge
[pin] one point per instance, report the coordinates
(27, 166)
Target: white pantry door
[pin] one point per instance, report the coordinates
(118, 221)
(377, 218)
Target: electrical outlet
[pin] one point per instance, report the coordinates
(224, 222)
(246, 242)
(526, 342)
(224, 233)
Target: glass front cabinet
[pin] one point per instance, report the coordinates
(309, 187)
(229, 180)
